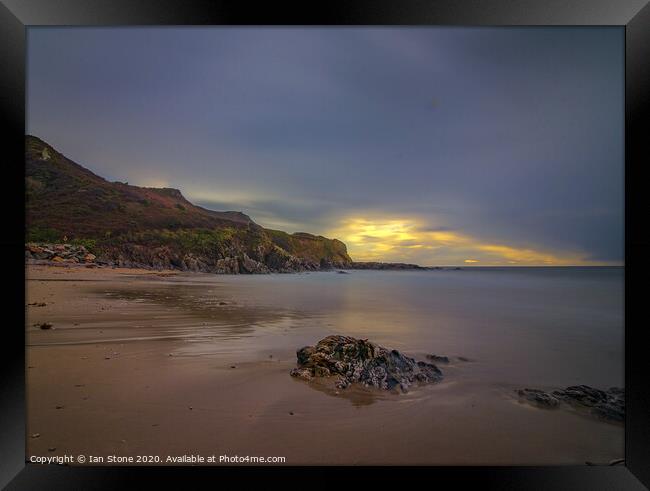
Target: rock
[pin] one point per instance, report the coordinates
(57, 259)
(539, 397)
(89, 258)
(228, 265)
(45, 325)
(34, 249)
(582, 394)
(35, 435)
(438, 358)
(608, 405)
(360, 361)
(342, 272)
(305, 373)
(248, 265)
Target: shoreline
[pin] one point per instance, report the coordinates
(124, 367)
(151, 269)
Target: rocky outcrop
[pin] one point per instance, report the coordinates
(538, 398)
(230, 260)
(350, 360)
(605, 404)
(59, 253)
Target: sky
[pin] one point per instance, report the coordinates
(437, 146)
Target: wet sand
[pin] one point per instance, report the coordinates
(168, 364)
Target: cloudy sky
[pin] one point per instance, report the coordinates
(440, 146)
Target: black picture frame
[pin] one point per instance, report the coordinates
(17, 15)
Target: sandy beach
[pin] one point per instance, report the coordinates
(144, 363)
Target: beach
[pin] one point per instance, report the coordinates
(165, 363)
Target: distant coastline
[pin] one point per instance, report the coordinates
(75, 255)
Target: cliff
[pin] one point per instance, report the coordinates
(129, 225)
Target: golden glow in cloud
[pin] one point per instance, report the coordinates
(406, 240)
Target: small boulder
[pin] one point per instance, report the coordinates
(34, 249)
(354, 360)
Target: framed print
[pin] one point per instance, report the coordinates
(367, 238)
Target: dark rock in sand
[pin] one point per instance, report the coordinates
(539, 397)
(45, 325)
(358, 360)
(608, 405)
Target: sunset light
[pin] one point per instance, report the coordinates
(412, 241)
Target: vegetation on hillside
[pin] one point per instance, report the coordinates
(125, 223)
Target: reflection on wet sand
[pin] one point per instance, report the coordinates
(163, 311)
(357, 396)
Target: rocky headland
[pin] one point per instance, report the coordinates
(69, 207)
